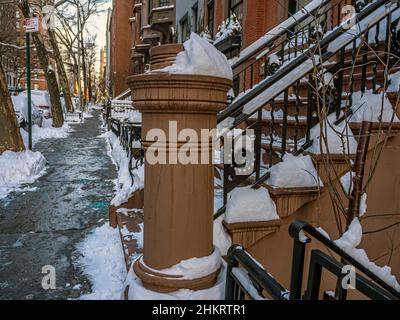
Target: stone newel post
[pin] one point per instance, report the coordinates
(178, 198)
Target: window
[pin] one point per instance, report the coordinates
(210, 20)
(164, 3)
(195, 15)
(236, 7)
(185, 32)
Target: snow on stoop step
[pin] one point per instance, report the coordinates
(128, 217)
(250, 216)
(130, 224)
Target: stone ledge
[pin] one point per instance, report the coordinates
(289, 200)
(249, 233)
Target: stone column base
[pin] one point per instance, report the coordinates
(158, 282)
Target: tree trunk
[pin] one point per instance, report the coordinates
(84, 70)
(51, 79)
(62, 74)
(10, 136)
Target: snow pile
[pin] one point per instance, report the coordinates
(124, 184)
(47, 131)
(17, 168)
(294, 172)
(138, 292)
(193, 268)
(363, 204)
(394, 85)
(202, 58)
(247, 204)
(349, 242)
(229, 28)
(246, 282)
(337, 139)
(102, 261)
(347, 181)
(372, 107)
(221, 238)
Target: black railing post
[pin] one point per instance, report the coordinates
(314, 279)
(296, 278)
(230, 282)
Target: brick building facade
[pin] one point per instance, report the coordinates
(14, 57)
(135, 26)
(255, 16)
(120, 45)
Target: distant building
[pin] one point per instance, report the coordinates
(133, 28)
(14, 57)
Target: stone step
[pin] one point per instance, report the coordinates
(249, 233)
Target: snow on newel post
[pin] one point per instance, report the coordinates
(179, 105)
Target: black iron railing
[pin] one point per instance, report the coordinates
(247, 279)
(129, 135)
(287, 41)
(283, 108)
(250, 279)
(373, 288)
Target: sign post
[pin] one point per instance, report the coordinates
(31, 25)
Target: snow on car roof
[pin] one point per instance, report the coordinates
(40, 97)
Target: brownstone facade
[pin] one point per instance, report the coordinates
(136, 26)
(256, 16)
(120, 45)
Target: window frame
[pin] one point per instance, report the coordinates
(184, 20)
(195, 15)
(211, 22)
(231, 8)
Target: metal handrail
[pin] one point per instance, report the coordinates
(295, 230)
(279, 31)
(236, 106)
(238, 256)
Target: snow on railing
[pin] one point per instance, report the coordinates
(124, 110)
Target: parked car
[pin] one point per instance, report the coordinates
(20, 103)
(41, 99)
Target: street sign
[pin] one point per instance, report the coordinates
(31, 25)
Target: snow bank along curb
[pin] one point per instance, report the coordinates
(46, 132)
(124, 186)
(17, 168)
(102, 261)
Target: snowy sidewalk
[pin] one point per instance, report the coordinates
(42, 227)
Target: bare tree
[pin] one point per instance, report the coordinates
(71, 37)
(50, 75)
(10, 136)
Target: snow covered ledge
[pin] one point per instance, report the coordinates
(178, 195)
(136, 290)
(192, 274)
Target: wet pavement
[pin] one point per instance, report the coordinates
(42, 227)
